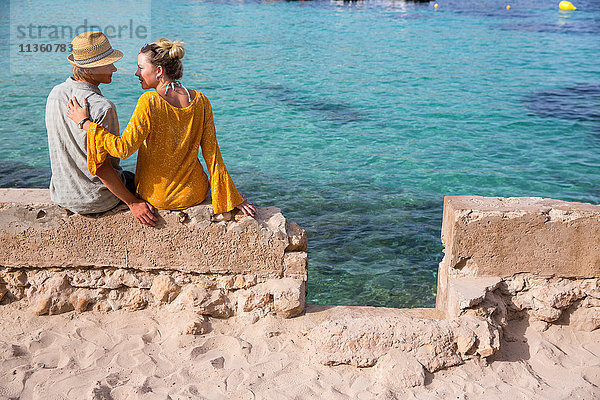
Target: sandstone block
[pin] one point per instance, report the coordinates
(214, 303)
(494, 236)
(244, 281)
(40, 305)
(135, 299)
(400, 370)
(114, 279)
(164, 288)
(295, 264)
(487, 335)
(289, 296)
(190, 323)
(249, 300)
(361, 340)
(285, 297)
(590, 302)
(297, 237)
(465, 343)
(546, 298)
(560, 294)
(243, 225)
(63, 261)
(129, 279)
(226, 282)
(586, 319)
(515, 283)
(591, 288)
(226, 216)
(3, 291)
(354, 341)
(273, 223)
(517, 239)
(35, 233)
(52, 297)
(201, 212)
(467, 292)
(81, 299)
(83, 278)
(249, 318)
(17, 278)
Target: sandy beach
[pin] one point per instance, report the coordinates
(144, 355)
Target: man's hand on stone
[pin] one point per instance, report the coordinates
(143, 212)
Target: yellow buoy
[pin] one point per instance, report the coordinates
(566, 5)
(436, 5)
(508, 7)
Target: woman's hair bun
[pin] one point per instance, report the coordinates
(174, 49)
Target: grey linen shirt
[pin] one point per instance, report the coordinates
(71, 185)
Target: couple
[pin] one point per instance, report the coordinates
(168, 127)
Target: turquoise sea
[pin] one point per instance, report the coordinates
(356, 118)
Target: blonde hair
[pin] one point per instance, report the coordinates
(166, 54)
(80, 74)
(175, 48)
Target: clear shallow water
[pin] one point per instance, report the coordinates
(356, 118)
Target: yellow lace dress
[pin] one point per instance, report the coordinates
(169, 174)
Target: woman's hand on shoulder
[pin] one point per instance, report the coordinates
(76, 112)
(247, 208)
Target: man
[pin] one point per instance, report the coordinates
(71, 185)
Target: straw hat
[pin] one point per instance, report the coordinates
(92, 49)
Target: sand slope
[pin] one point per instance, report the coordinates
(141, 355)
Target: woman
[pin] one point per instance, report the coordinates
(168, 126)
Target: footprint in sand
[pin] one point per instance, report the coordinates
(98, 337)
(9, 351)
(137, 330)
(115, 379)
(11, 386)
(44, 341)
(150, 336)
(120, 354)
(162, 366)
(233, 349)
(53, 358)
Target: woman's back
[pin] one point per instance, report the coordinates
(169, 174)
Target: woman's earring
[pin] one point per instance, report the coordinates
(157, 77)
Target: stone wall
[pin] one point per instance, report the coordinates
(504, 259)
(526, 254)
(218, 265)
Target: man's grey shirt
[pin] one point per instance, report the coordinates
(71, 185)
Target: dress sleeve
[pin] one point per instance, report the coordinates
(225, 196)
(109, 121)
(100, 142)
